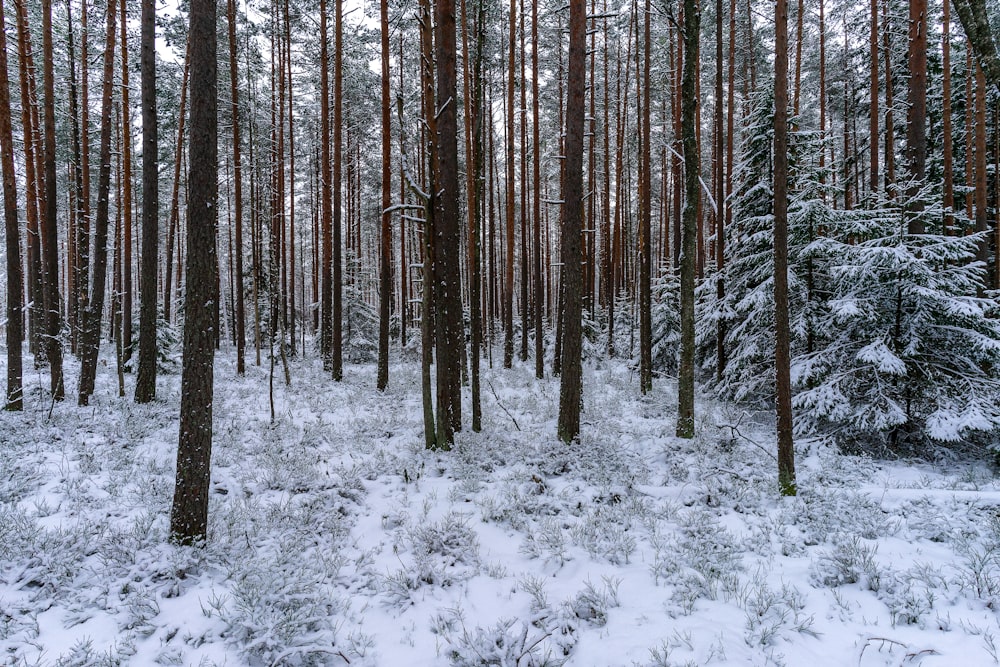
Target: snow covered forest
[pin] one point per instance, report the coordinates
(516, 333)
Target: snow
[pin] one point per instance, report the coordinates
(335, 538)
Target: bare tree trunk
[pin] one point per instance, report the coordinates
(448, 285)
(76, 211)
(783, 402)
(873, 143)
(240, 315)
(946, 121)
(189, 515)
(145, 383)
(337, 348)
(126, 332)
(916, 126)
(645, 215)
(33, 174)
(571, 376)
(508, 291)
(90, 336)
(385, 235)
(982, 226)
(890, 127)
(13, 399)
(47, 227)
(689, 224)
(172, 229)
(536, 179)
(326, 205)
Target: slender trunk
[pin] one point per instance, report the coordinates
(47, 225)
(172, 229)
(890, 128)
(783, 401)
(385, 235)
(536, 194)
(326, 205)
(570, 380)
(90, 336)
(946, 121)
(689, 240)
(240, 314)
(982, 226)
(916, 130)
(645, 212)
(33, 179)
(126, 332)
(449, 328)
(873, 143)
(13, 398)
(508, 290)
(337, 349)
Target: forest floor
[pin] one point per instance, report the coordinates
(336, 538)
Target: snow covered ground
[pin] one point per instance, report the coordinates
(336, 539)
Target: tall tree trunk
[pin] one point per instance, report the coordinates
(76, 212)
(240, 315)
(326, 205)
(645, 214)
(571, 376)
(385, 235)
(145, 382)
(536, 194)
(982, 226)
(449, 339)
(13, 399)
(689, 224)
(428, 313)
(337, 349)
(890, 127)
(90, 336)
(126, 332)
(946, 121)
(291, 185)
(33, 178)
(47, 227)
(172, 229)
(524, 258)
(189, 515)
(508, 290)
(873, 143)
(916, 126)
(783, 401)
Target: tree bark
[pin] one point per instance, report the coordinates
(337, 346)
(326, 204)
(13, 399)
(48, 231)
(689, 224)
(90, 335)
(570, 379)
(385, 235)
(126, 276)
(536, 201)
(33, 175)
(916, 127)
(449, 330)
(782, 361)
(145, 383)
(189, 515)
(645, 214)
(508, 289)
